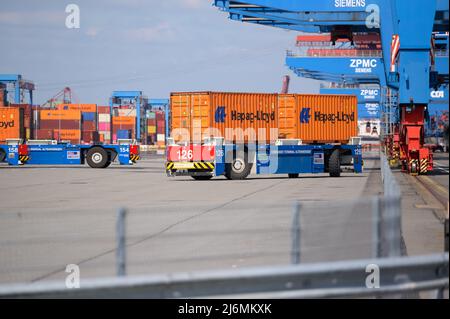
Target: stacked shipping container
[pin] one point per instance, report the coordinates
(61, 125)
(2, 94)
(315, 119)
(104, 123)
(27, 118)
(11, 123)
(88, 121)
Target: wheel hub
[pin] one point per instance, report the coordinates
(238, 165)
(97, 158)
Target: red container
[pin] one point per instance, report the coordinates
(89, 126)
(27, 114)
(159, 115)
(44, 134)
(151, 122)
(123, 127)
(63, 124)
(103, 109)
(90, 137)
(2, 96)
(160, 127)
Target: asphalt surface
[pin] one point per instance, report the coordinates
(55, 216)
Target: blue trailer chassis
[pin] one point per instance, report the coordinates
(273, 159)
(67, 154)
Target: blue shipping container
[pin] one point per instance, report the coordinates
(88, 116)
(123, 134)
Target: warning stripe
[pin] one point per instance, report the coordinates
(170, 165)
(424, 166)
(197, 165)
(395, 47)
(23, 158)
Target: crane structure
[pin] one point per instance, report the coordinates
(134, 99)
(19, 87)
(390, 44)
(62, 97)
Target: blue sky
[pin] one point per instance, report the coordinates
(149, 45)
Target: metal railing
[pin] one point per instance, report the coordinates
(334, 53)
(323, 280)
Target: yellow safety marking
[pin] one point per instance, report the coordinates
(183, 165)
(170, 165)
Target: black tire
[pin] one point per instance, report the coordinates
(97, 157)
(334, 164)
(202, 178)
(2, 155)
(293, 175)
(239, 169)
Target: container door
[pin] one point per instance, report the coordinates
(200, 116)
(287, 116)
(181, 115)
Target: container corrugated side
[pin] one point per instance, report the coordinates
(60, 115)
(11, 123)
(234, 116)
(326, 118)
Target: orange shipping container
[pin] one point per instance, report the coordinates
(264, 117)
(11, 123)
(124, 120)
(92, 108)
(60, 115)
(318, 118)
(68, 134)
(234, 116)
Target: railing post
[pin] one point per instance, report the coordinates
(120, 243)
(376, 227)
(295, 234)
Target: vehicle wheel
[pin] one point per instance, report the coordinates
(293, 175)
(334, 164)
(2, 155)
(97, 157)
(107, 164)
(202, 178)
(240, 168)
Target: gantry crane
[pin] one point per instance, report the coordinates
(405, 28)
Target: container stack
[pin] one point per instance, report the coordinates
(160, 129)
(124, 122)
(27, 118)
(88, 133)
(123, 127)
(104, 123)
(65, 125)
(2, 94)
(11, 124)
(151, 127)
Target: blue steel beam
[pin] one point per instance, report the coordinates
(19, 85)
(130, 95)
(338, 69)
(333, 11)
(369, 99)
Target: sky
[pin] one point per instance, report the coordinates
(152, 46)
